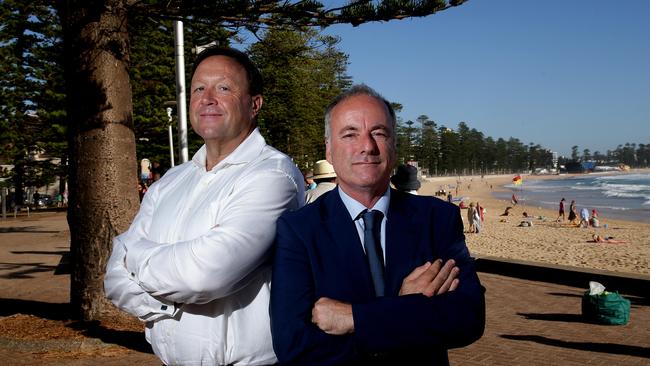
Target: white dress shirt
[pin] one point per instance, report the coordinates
(194, 263)
(355, 209)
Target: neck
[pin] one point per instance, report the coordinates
(217, 150)
(365, 196)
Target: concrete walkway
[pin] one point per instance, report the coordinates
(529, 322)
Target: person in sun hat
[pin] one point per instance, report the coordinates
(325, 179)
(406, 179)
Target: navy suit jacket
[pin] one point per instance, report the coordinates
(318, 253)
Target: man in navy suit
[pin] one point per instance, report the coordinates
(358, 276)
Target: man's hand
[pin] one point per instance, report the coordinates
(332, 316)
(430, 279)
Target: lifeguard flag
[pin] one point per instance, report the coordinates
(517, 180)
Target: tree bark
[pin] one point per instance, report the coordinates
(103, 170)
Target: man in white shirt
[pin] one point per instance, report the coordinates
(194, 264)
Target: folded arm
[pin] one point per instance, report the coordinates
(127, 295)
(414, 321)
(221, 261)
(296, 340)
(120, 286)
(335, 317)
(452, 319)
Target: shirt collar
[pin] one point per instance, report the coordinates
(355, 208)
(248, 150)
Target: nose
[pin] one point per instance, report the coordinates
(369, 144)
(208, 96)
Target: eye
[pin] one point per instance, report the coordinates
(224, 88)
(380, 133)
(197, 89)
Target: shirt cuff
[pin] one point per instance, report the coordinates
(158, 309)
(137, 255)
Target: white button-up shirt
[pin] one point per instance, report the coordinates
(355, 209)
(194, 263)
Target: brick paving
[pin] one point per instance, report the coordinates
(528, 322)
(538, 323)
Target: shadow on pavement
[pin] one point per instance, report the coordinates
(556, 317)
(25, 229)
(564, 294)
(46, 310)
(635, 300)
(621, 349)
(24, 270)
(131, 339)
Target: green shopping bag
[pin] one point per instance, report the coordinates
(606, 308)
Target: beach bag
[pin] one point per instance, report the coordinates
(608, 308)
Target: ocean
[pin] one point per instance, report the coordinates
(618, 196)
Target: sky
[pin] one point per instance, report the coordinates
(558, 74)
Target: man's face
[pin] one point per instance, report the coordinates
(221, 108)
(362, 144)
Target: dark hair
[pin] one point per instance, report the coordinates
(255, 83)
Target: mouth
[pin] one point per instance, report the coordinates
(211, 114)
(372, 162)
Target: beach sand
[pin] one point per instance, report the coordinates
(546, 241)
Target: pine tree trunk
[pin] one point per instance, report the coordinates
(103, 170)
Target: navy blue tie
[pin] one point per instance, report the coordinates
(372, 243)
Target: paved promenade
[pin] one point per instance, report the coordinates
(528, 322)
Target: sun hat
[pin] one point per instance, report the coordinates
(323, 169)
(406, 178)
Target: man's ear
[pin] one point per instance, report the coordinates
(257, 101)
(328, 153)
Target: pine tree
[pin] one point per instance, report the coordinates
(31, 111)
(103, 165)
(303, 72)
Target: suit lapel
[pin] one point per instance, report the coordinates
(346, 246)
(403, 228)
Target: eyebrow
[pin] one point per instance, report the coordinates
(348, 128)
(380, 127)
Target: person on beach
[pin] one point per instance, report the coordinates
(573, 214)
(334, 299)
(584, 217)
(610, 240)
(471, 214)
(561, 211)
(478, 223)
(593, 220)
(195, 263)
